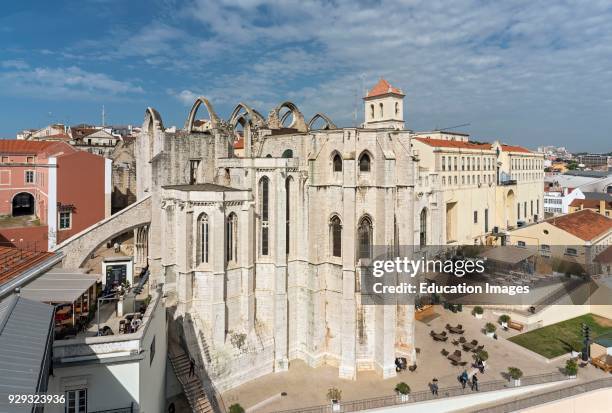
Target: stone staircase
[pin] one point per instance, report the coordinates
(191, 385)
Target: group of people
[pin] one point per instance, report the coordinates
(464, 378)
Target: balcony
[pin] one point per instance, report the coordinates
(507, 182)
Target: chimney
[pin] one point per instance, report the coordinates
(602, 207)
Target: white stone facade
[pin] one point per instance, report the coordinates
(263, 250)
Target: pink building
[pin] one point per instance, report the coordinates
(50, 191)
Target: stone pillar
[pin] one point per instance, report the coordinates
(247, 255)
(217, 255)
(281, 361)
(184, 276)
(348, 364)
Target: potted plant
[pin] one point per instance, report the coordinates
(515, 374)
(236, 408)
(490, 329)
(503, 320)
(482, 355)
(478, 311)
(571, 368)
(403, 390)
(334, 395)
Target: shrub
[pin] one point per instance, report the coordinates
(334, 394)
(402, 388)
(515, 372)
(504, 318)
(490, 328)
(482, 355)
(571, 367)
(236, 408)
(478, 310)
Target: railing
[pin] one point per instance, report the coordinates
(548, 396)
(130, 409)
(425, 395)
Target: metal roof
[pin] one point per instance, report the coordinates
(59, 285)
(25, 326)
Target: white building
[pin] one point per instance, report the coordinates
(557, 202)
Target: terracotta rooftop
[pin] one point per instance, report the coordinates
(590, 203)
(15, 261)
(512, 148)
(585, 224)
(443, 143)
(24, 147)
(382, 88)
(239, 143)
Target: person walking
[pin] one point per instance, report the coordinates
(191, 367)
(464, 378)
(434, 387)
(474, 382)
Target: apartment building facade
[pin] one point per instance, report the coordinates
(50, 191)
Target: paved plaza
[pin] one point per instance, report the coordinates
(307, 386)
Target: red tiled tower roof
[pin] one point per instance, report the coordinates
(382, 88)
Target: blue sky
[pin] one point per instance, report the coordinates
(525, 72)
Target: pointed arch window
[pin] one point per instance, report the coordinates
(337, 162)
(371, 111)
(231, 237)
(203, 239)
(382, 112)
(364, 238)
(264, 213)
(364, 162)
(335, 229)
(423, 228)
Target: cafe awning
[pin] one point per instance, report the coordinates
(59, 285)
(508, 254)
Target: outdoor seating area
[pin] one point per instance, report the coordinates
(438, 336)
(455, 330)
(603, 362)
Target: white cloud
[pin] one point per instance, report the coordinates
(59, 83)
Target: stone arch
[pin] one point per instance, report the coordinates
(509, 207)
(151, 126)
(275, 121)
(213, 118)
(321, 116)
(249, 115)
(23, 203)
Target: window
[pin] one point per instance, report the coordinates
(444, 163)
(203, 239)
(521, 244)
(76, 401)
(336, 235)
(396, 108)
(455, 160)
(571, 251)
(288, 182)
(443, 181)
(231, 242)
(29, 177)
(486, 219)
(264, 201)
(545, 249)
(288, 153)
(193, 171)
(152, 351)
(65, 218)
(337, 163)
(364, 236)
(30, 159)
(475, 217)
(5, 159)
(380, 105)
(364, 163)
(423, 228)
(518, 210)
(371, 111)
(531, 207)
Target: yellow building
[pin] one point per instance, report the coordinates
(577, 237)
(487, 188)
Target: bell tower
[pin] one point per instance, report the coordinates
(384, 107)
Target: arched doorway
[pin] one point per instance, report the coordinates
(511, 217)
(23, 204)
